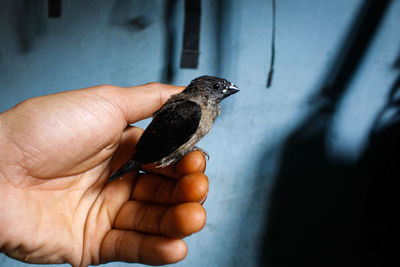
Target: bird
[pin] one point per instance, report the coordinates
(180, 124)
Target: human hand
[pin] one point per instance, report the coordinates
(56, 206)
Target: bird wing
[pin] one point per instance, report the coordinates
(173, 125)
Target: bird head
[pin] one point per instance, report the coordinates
(214, 87)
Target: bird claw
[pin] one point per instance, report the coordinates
(201, 150)
(163, 164)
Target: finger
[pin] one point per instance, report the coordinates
(175, 221)
(104, 210)
(130, 137)
(140, 102)
(152, 188)
(114, 196)
(191, 163)
(130, 246)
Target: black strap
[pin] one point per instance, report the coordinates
(272, 62)
(54, 8)
(191, 34)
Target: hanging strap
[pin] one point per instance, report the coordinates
(191, 34)
(54, 8)
(272, 62)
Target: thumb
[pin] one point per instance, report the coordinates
(140, 102)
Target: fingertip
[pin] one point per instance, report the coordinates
(169, 251)
(168, 87)
(191, 163)
(164, 91)
(192, 188)
(183, 220)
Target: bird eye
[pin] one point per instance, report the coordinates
(216, 86)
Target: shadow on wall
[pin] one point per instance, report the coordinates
(128, 15)
(326, 212)
(30, 23)
(380, 163)
(170, 36)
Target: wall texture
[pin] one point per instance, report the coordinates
(279, 171)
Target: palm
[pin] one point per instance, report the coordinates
(67, 149)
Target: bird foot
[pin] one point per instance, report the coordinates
(173, 160)
(164, 163)
(201, 150)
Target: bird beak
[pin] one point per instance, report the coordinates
(232, 89)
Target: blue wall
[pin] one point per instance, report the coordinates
(93, 43)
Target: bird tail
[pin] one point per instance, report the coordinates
(127, 167)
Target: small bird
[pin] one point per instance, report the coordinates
(180, 123)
